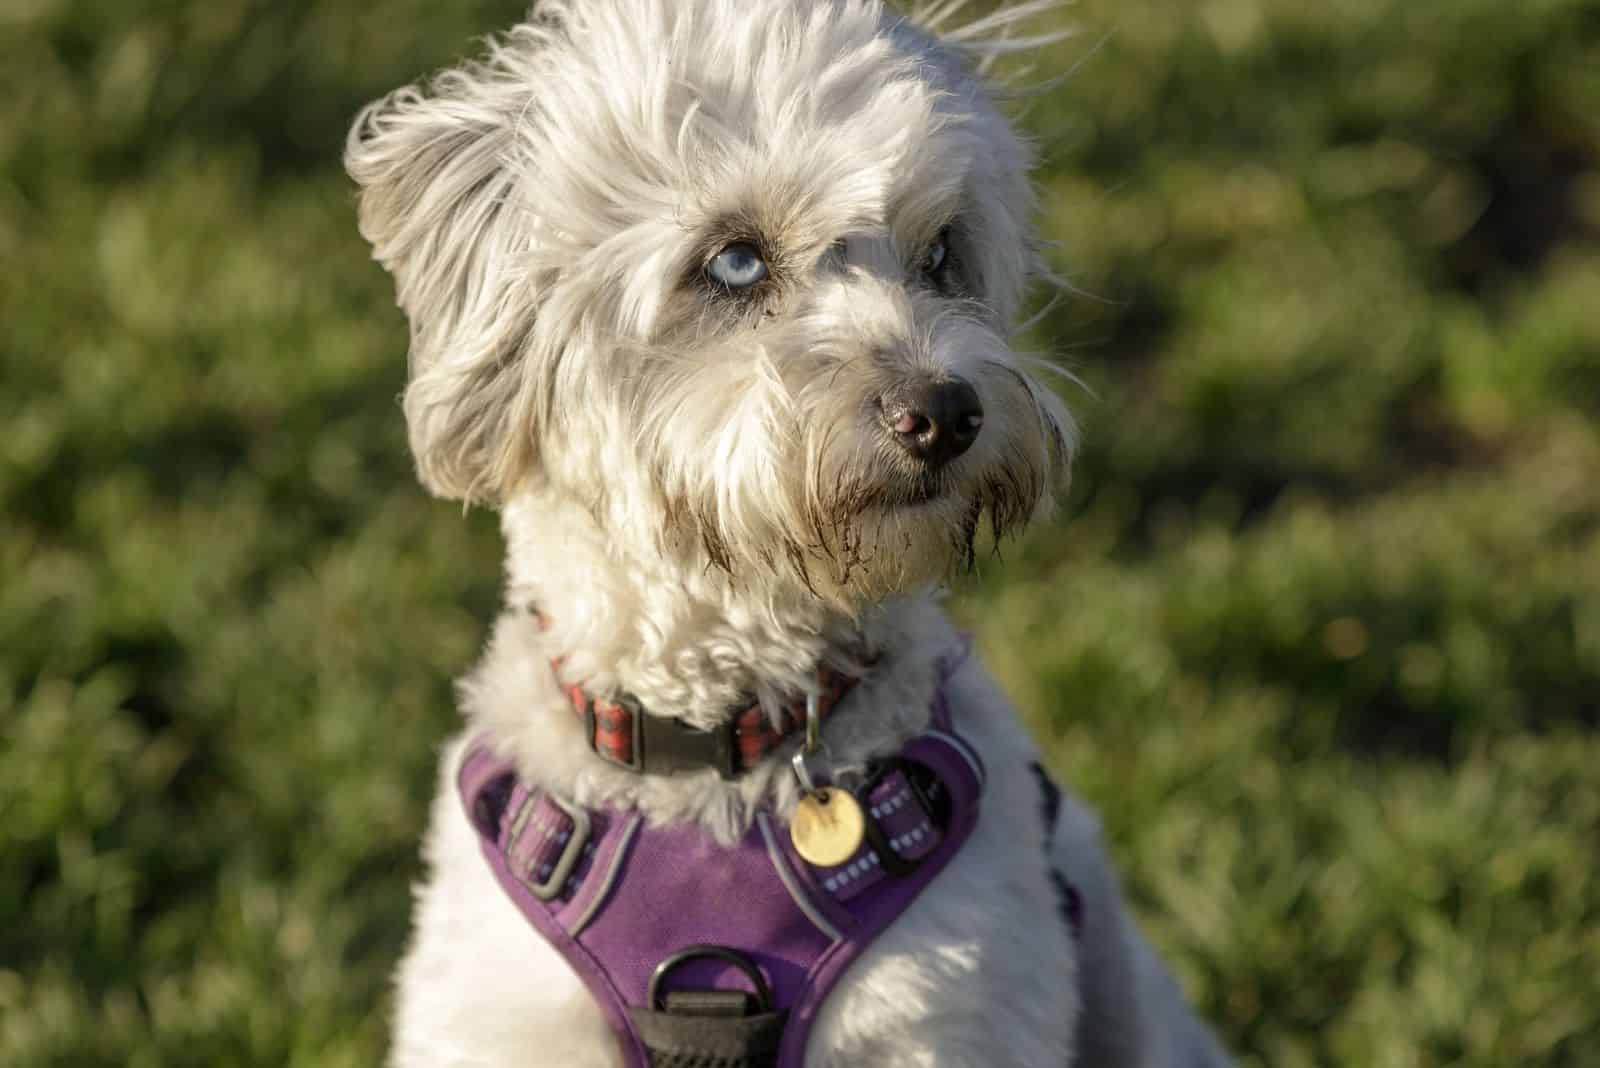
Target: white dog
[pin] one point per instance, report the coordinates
(711, 299)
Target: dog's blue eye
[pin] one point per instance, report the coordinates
(933, 259)
(739, 266)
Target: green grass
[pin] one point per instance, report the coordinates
(1319, 632)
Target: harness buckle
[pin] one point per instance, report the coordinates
(938, 815)
(550, 887)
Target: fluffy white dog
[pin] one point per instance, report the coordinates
(711, 299)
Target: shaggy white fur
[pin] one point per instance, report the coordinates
(701, 485)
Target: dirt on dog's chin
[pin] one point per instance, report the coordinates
(894, 547)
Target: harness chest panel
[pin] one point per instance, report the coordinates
(713, 955)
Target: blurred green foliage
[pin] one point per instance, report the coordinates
(1319, 632)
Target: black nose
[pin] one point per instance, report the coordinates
(933, 421)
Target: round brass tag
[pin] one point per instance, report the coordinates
(828, 827)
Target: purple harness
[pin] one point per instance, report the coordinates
(701, 953)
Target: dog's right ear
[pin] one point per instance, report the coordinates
(439, 203)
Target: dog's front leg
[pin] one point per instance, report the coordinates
(479, 988)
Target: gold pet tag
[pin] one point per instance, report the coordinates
(827, 827)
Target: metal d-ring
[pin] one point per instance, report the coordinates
(723, 953)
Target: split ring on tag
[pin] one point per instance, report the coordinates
(811, 750)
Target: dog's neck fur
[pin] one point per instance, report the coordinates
(683, 637)
(686, 643)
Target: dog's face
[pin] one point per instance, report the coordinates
(737, 275)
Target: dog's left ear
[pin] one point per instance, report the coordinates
(439, 203)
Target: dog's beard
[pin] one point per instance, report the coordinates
(877, 527)
(778, 480)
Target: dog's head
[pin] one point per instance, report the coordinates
(736, 275)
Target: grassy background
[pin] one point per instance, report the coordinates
(1320, 632)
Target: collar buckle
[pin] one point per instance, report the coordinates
(661, 746)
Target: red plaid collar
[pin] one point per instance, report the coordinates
(622, 732)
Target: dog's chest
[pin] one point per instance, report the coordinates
(979, 966)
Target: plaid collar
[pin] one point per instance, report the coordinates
(623, 732)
